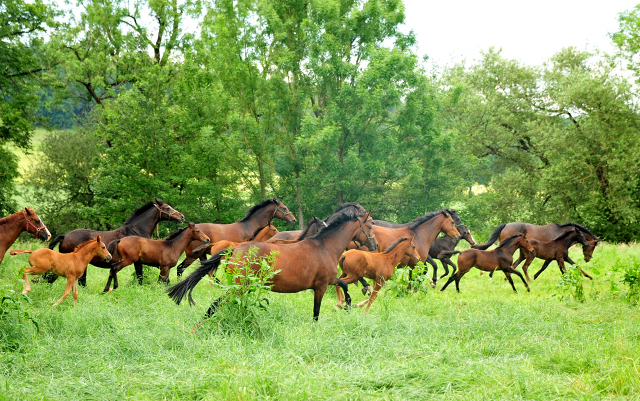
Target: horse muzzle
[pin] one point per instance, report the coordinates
(107, 258)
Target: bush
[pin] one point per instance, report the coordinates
(400, 285)
(16, 324)
(570, 285)
(631, 278)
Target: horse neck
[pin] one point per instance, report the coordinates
(396, 255)
(340, 239)
(181, 242)
(263, 235)
(12, 227)
(511, 248)
(428, 231)
(86, 253)
(147, 221)
(259, 218)
(570, 240)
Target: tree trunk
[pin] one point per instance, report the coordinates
(299, 199)
(263, 190)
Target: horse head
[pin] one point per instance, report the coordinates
(282, 212)
(197, 234)
(101, 250)
(364, 236)
(35, 226)
(449, 227)
(167, 212)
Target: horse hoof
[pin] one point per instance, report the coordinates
(110, 289)
(336, 308)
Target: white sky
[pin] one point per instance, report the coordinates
(529, 31)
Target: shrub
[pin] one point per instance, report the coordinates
(16, 324)
(631, 278)
(570, 285)
(400, 285)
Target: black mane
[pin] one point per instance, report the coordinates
(578, 227)
(257, 207)
(341, 209)
(176, 233)
(454, 216)
(337, 222)
(138, 212)
(509, 240)
(422, 219)
(395, 244)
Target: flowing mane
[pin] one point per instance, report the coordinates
(423, 219)
(454, 216)
(578, 227)
(257, 207)
(176, 233)
(137, 213)
(395, 244)
(509, 240)
(337, 222)
(84, 244)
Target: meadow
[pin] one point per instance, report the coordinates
(483, 343)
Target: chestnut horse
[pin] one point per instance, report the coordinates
(69, 265)
(264, 234)
(13, 225)
(307, 264)
(378, 267)
(545, 233)
(314, 226)
(242, 230)
(499, 258)
(159, 253)
(140, 222)
(557, 250)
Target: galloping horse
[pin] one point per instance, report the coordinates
(379, 267)
(446, 244)
(13, 225)
(69, 265)
(163, 254)
(242, 230)
(263, 235)
(140, 222)
(499, 258)
(545, 233)
(314, 226)
(307, 264)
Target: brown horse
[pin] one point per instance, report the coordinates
(12, 226)
(545, 233)
(557, 250)
(242, 230)
(140, 222)
(307, 264)
(159, 253)
(264, 234)
(314, 226)
(378, 267)
(499, 258)
(69, 265)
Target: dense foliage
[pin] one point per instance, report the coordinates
(215, 105)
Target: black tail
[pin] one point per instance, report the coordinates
(55, 241)
(494, 237)
(446, 254)
(186, 286)
(113, 250)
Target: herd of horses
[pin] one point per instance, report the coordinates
(306, 259)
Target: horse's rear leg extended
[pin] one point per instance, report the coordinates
(568, 259)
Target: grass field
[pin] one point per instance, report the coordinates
(484, 343)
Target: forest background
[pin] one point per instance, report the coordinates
(214, 105)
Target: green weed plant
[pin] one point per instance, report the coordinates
(16, 323)
(400, 285)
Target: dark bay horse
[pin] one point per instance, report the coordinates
(69, 265)
(557, 250)
(500, 258)
(141, 222)
(242, 230)
(163, 254)
(379, 267)
(13, 225)
(544, 233)
(308, 264)
(314, 226)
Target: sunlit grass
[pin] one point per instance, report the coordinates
(483, 343)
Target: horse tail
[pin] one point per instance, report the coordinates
(113, 250)
(446, 254)
(341, 261)
(55, 241)
(186, 286)
(19, 251)
(494, 237)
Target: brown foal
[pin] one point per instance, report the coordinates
(70, 265)
(378, 267)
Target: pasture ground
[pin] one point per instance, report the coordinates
(484, 343)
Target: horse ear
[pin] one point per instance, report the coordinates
(98, 239)
(26, 209)
(159, 201)
(190, 224)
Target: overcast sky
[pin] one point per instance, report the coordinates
(530, 31)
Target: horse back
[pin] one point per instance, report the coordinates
(218, 232)
(544, 233)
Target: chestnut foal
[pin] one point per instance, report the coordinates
(159, 253)
(70, 265)
(379, 267)
(499, 258)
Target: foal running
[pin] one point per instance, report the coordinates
(158, 253)
(499, 258)
(378, 267)
(70, 265)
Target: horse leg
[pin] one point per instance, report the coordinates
(67, 290)
(366, 288)
(525, 267)
(445, 266)
(75, 293)
(318, 293)
(377, 285)
(520, 259)
(544, 266)
(164, 274)
(339, 298)
(568, 259)
(509, 269)
(560, 262)
(210, 311)
(83, 279)
(186, 263)
(344, 287)
(139, 271)
(435, 270)
(26, 286)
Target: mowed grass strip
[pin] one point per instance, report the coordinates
(484, 343)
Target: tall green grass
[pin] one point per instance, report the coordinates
(483, 343)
